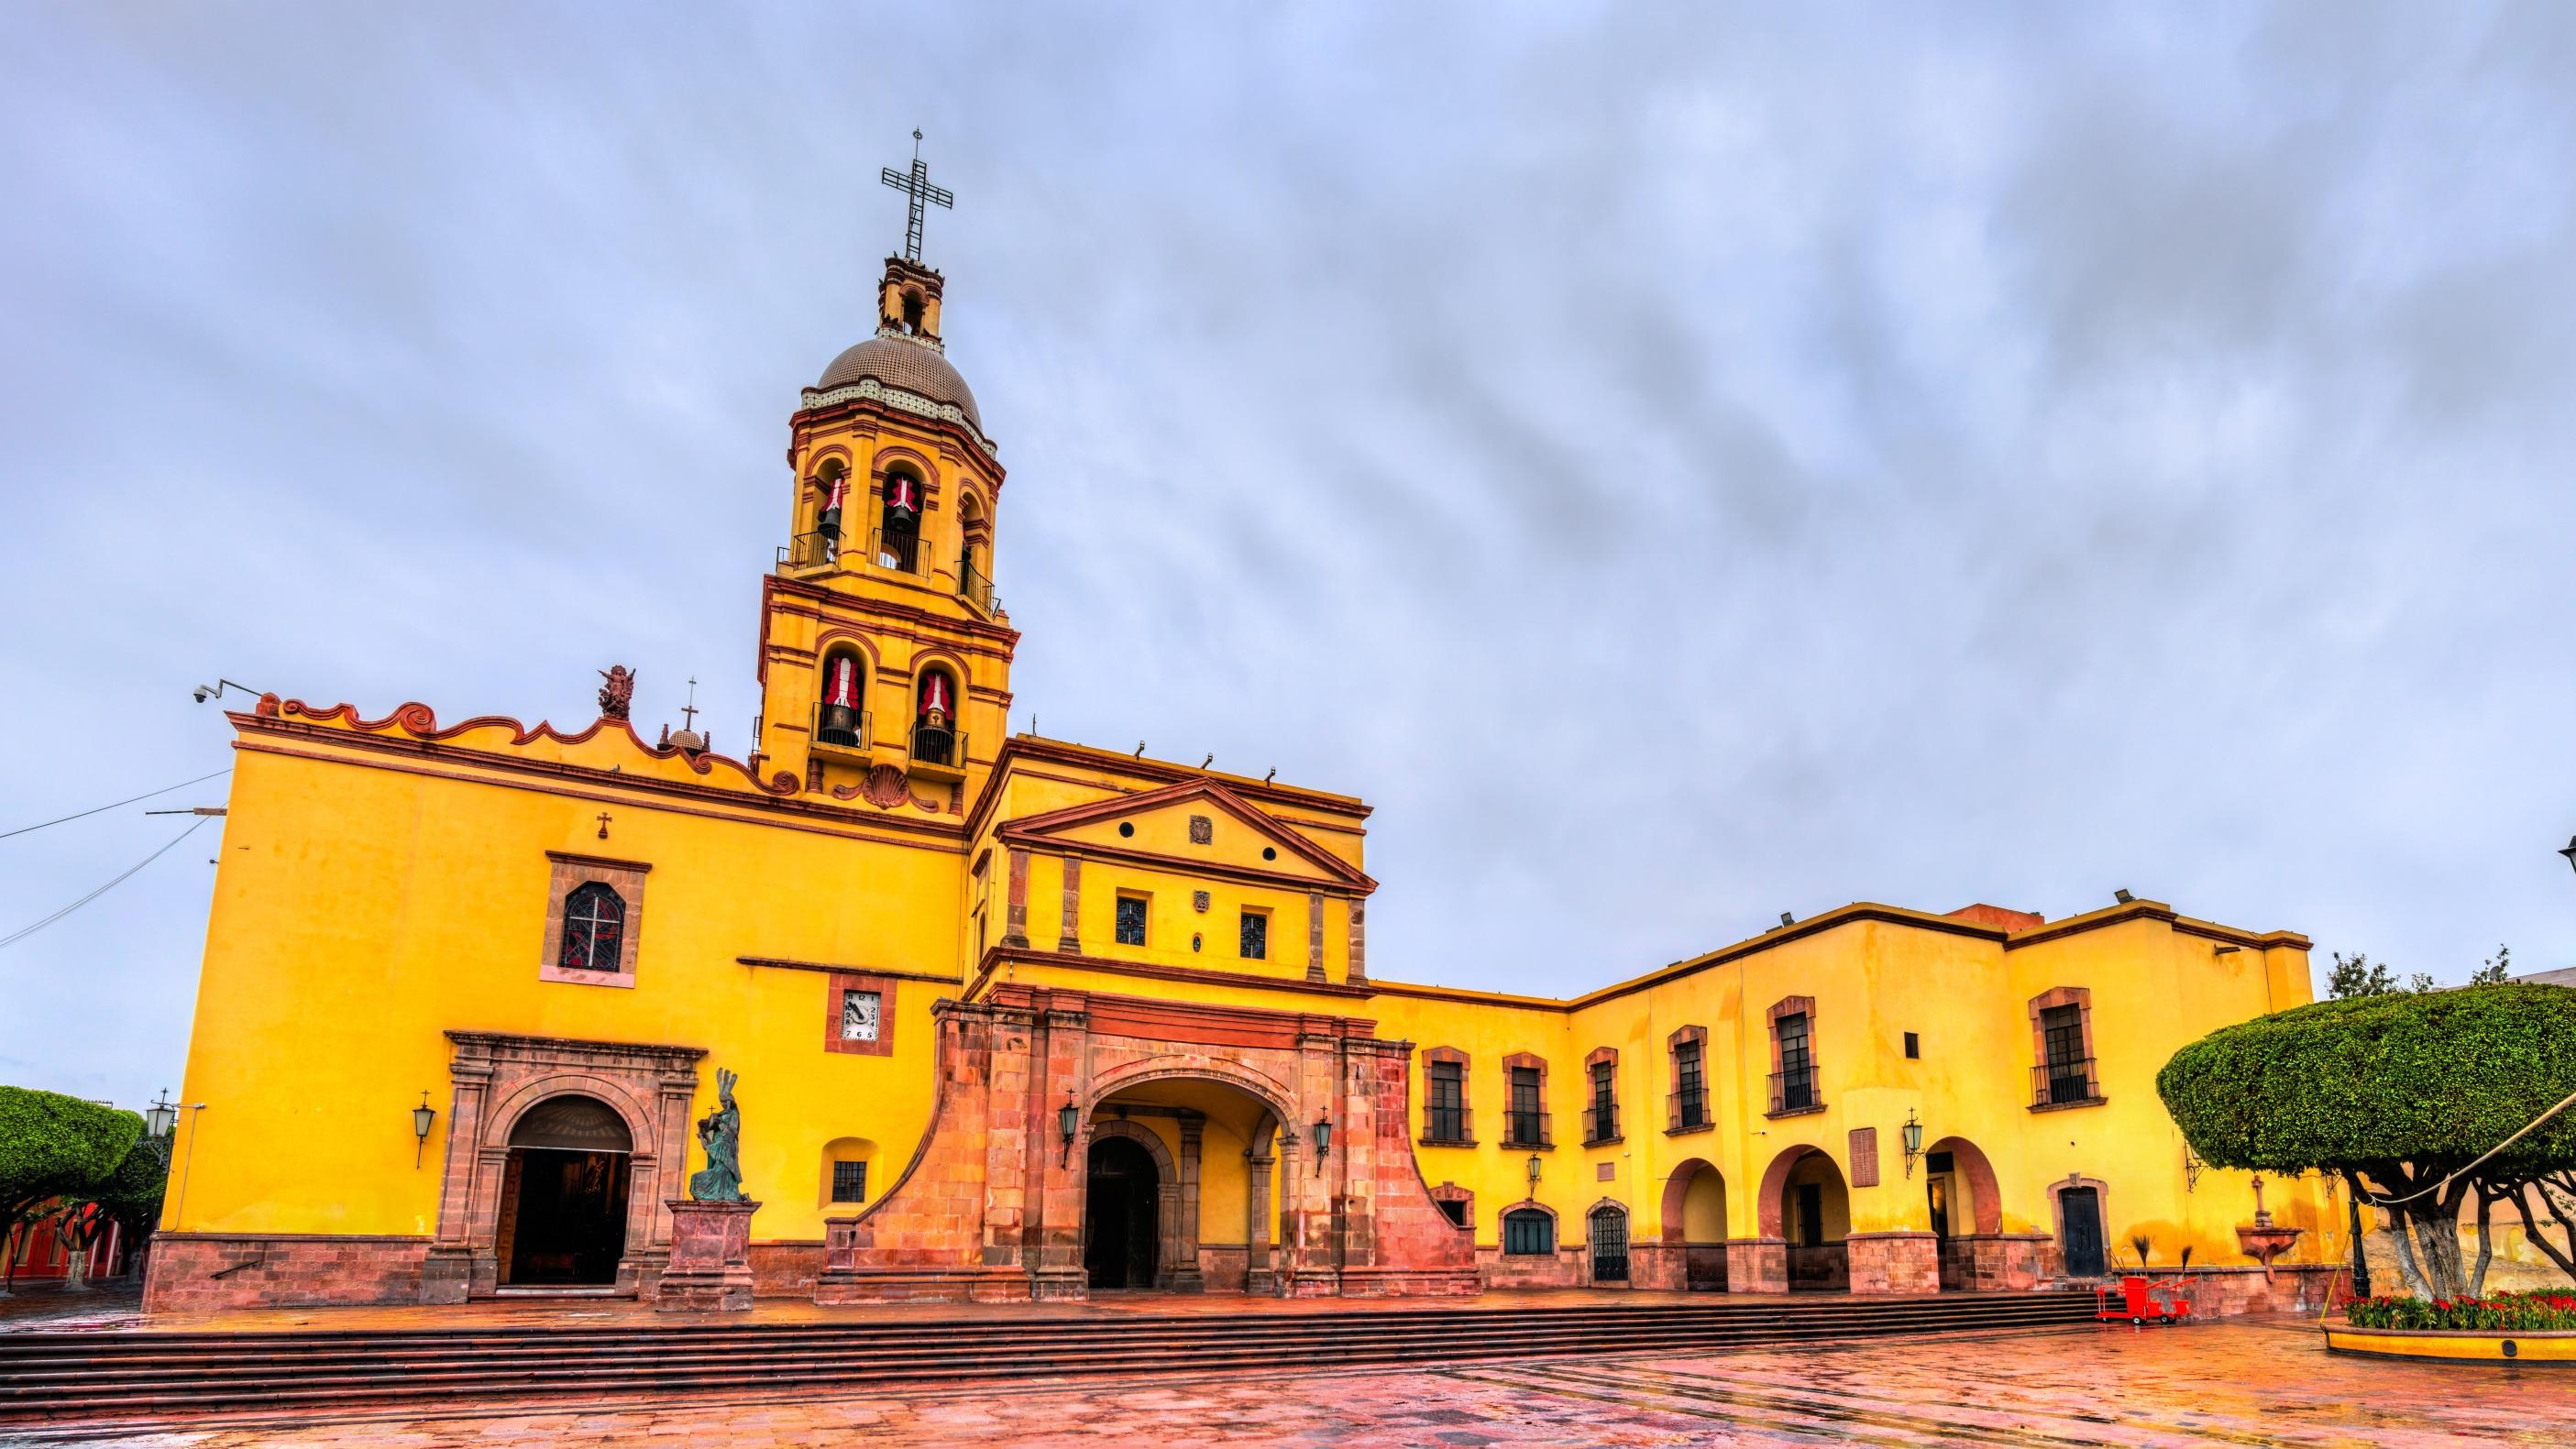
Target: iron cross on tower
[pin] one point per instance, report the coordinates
(916, 185)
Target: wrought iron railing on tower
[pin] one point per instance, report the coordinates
(841, 726)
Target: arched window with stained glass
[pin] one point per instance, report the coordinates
(594, 933)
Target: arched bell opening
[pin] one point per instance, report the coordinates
(564, 1196)
(898, 533)
(831, 509)
(935, 740)
(974, 553)
(841, 698)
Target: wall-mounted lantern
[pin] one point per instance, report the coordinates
(1323, 1142)
(1066, 1120)
(1912, 1135)
(1533, 1171)
(2191, 1167)
(160, 1117)
(421, 1117)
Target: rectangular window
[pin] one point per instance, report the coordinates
(2068, 1072)
(1446, 1119)
(1797, 1085)
(1254, 935)
(1131, 920)
(1604, 1117)
(1690, 1074)
(1528, 1234)
(1454, 1210)
(1913, 1046)
(849, 1182)
(861, 1015)
(1528, 1121)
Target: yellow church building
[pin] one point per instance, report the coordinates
(1015, 1017)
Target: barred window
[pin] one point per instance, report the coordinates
(1529, 1121)
(1690, 1072)
(1131, 920)
(1255, 935)
(1446, 1120)
(849, 1182)
(594, 929)
(1527, 1233)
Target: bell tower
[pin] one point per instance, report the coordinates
(885, 657)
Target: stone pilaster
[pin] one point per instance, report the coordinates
(1069, 937)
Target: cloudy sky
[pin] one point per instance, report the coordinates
(1679, 463)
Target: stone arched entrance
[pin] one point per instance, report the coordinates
(1963, 1207)
(564, 1192)
(1805, 1204)
(993, 1204)
(500, 1081)
(1125, 1221)
(1691, 1248)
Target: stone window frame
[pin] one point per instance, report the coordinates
(1795, 1006)
(1593, 1061)
(1546, 1139)
(1450, 1056)
(566, 873)
(1503, 1231)
(1450, 1192)
(1245, 914)
(1145, 918)
(839, 984)
(1673, 1044)
(2081, 998)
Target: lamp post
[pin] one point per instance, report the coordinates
(1067, 1119)
(1323, 1142)
(421, 1117)
(1912, 1134)
(160, 1117)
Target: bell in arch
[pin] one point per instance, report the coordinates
(829, 524)
(840, 722)
(902, 503)
(935, 704)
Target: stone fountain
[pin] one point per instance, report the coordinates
(2263, 1242)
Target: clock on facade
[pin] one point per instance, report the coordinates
(859, 1015)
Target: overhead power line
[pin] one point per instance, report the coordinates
(164, 790)
(23, 932)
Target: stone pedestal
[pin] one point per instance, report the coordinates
(710, 1269)
(1757, 1265)
(1894, 1262)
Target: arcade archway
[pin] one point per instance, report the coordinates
(1694, 1226)
(1181, 1189)
(1805, 1203)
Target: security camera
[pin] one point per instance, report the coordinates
(201, 691)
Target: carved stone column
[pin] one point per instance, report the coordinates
(1069, 936)
(1260, 1280)
(447, 1275)
(1186, 1277)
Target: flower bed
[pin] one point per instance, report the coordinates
(2498, 1313)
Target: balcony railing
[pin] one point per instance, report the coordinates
(1444, 1124)
(2060, 1083)
(1686, 1110)
(1526, 1129)
(840, 728)
(1795, 1091)
(894, 550)
(974, 586)
(1600, 1123)
(938, 754)
(805, 551)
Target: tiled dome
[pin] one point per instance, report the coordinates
(897, 363)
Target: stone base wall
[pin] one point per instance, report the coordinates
(2227, 1292)
(1992, 1262)
(208, 1272)
(1564, 1268)
(1757, 1265)
(788, 1268)
(1825, 1268)
(1225, 1267)
(1899, 1262)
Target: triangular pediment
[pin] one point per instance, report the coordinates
(1158, 824)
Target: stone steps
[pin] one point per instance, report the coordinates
(159, 1377)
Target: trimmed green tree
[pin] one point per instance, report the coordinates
(54, 1147)
(2397, 1093)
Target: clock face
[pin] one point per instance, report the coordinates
(859, 1015)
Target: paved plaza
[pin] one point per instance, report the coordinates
(2267, 1383)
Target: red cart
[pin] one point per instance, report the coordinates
(2142, 1301)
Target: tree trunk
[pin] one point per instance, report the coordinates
(2559, 1213)
(2436, 1221)
(2399, 1232)
(2486, 1244)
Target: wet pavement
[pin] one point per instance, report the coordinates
(2242, 1382)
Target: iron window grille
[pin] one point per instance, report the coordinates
(1793, 1087)
(1131, 920)
(2057, 1084)
(1528, 1234)
(1444, 1117)
(849, 1182)
(1690, 1098)
(1609, 1247)
(1601, 1119)
(1255, 935)
(1526, 1122)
